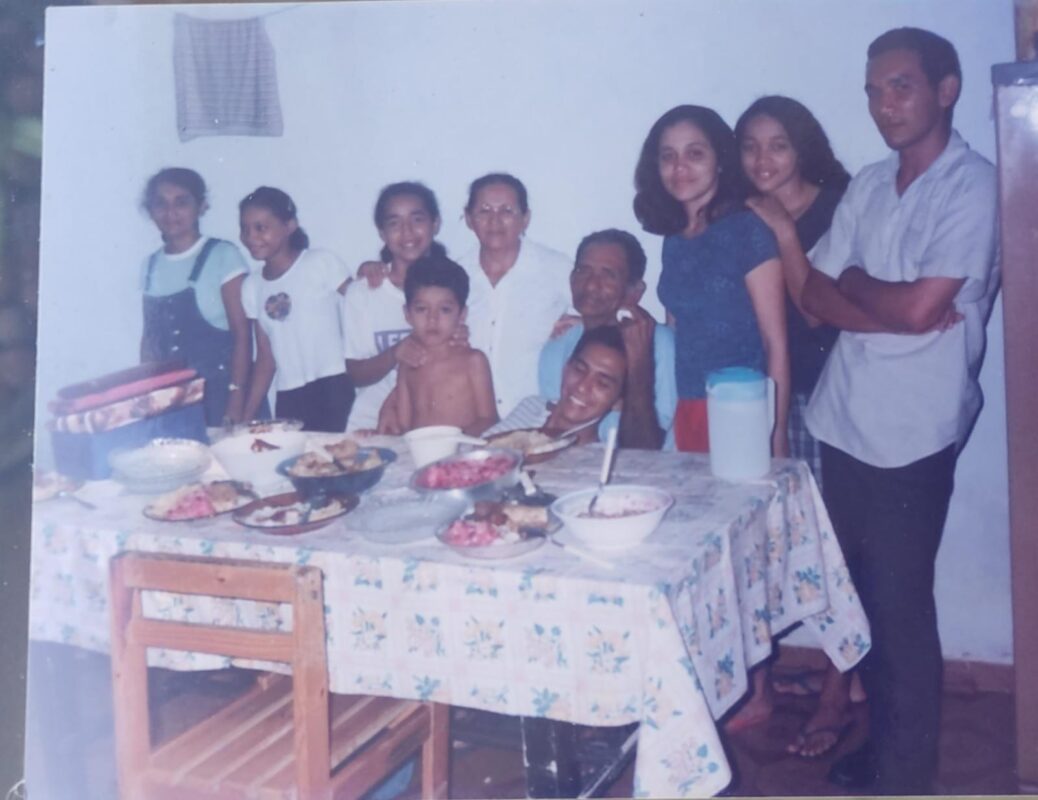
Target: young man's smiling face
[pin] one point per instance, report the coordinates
(592, 382)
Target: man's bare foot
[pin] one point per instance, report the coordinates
(757, 708)
(827, 726)
(816, 742)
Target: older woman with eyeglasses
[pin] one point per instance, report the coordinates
(519, 289)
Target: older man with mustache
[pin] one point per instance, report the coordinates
(607, 282)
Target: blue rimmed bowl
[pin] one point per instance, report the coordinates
(349, 481)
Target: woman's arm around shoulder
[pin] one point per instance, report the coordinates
(241, 347)
(262, 374)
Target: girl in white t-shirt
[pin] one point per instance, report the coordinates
(294, 301)
(377, 337)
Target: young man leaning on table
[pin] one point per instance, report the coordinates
(908, 273)
(607, 277)
(593, 381)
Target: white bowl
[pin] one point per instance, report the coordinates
(432, 443)
(258, 467)
(624, 516)
(159, 466)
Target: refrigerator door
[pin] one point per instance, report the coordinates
(1016, 107)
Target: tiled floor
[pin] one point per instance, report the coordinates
(976, 743)
(976, 754)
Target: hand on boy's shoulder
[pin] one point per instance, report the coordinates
(460, 337)
(408, 352)
(372, 273)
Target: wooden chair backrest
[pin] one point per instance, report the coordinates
(303, 648)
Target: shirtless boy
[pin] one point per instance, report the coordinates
(451, 385)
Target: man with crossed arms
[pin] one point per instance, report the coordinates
(908, 273)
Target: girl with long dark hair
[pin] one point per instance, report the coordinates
(722, 280)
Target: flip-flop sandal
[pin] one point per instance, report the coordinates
(837, 732)
(801, 684)
(738, 724)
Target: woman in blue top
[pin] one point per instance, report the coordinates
(722, 280)
(192, 295)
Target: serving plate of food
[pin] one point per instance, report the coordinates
(402, 519)
(476, 475)
(497, 530)
(200, 501)
(289, 514)
(534, 444)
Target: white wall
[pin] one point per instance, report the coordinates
(559, 92)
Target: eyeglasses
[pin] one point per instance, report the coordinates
(506, 213)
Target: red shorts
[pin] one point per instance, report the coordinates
(691, 434)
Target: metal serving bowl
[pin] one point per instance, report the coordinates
(434, 479)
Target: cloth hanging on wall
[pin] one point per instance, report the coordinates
(226, 78)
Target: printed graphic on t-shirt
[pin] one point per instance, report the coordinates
(278, 306)
(386, 339)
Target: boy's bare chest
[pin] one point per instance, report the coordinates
(440, 386)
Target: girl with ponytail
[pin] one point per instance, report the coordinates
(294, 302)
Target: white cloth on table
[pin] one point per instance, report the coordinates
(510, 322)
(530, 412)
(890, 399)
(226, 78)
(373, 321)
(299, 313)
(666, 641)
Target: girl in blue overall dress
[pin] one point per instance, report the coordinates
(192, 296)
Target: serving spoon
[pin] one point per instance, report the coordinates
(577, 429)
(607, 462)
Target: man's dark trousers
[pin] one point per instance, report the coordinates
(889, 522)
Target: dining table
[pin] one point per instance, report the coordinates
(662, 634)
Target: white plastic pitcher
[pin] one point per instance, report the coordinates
(740, 413)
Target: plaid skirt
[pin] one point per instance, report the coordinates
(802, 444)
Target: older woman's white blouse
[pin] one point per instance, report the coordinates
(510, 322)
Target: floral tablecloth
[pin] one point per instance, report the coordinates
(665, 638)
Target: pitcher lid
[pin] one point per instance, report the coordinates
(734, 375)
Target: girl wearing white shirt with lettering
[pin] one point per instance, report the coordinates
(377, 335)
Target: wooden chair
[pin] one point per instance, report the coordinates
(280, 739)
